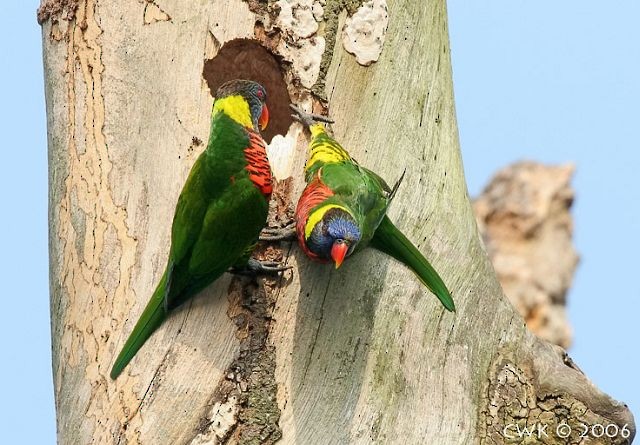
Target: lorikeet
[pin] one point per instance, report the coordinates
(343, 209)
(220, 212)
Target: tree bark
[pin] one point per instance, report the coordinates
(359, 355)
(523, 215)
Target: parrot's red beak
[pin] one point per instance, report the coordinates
(338, 252)
(264, 117)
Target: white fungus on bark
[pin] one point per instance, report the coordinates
(297, 17)
(223, 416)
(318, 11)
(298, 21)
(363, 33)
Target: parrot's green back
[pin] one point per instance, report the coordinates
(221, 210)
(360, 190)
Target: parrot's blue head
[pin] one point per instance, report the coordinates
(252, 94)
(335, 234)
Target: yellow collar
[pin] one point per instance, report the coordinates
(236, 107)
(316, 216)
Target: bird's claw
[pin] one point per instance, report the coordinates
(308, 119)
(255, 267)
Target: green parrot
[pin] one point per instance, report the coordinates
(220, 212)
(343, 209)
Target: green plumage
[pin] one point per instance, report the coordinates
(390, 240)
(368, 197)
(217, 220)
(335, 179)
(360, 190)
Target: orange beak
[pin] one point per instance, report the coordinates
(264, 117)
(338, 252)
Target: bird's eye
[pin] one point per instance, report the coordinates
(260, 94)
(339, 241)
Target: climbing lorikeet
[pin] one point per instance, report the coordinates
(343, 209)
(220, 212)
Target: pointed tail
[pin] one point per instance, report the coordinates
(390, 240)
(396, 186)
(151, 318)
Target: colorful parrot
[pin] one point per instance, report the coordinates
(220, 212)
(343, 209)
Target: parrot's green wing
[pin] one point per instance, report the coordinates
(192, 205)
(363, 192)
(187, 223)
(218, 217)
(208, 180)
(231, 225)
(376, 180)
(367, 197)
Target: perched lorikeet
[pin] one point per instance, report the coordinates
(220, 212)
(343, 209)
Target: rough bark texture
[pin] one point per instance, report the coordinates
(359, 355)
(525, 220)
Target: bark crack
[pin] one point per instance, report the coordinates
(244, 407)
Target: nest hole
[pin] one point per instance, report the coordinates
(248, 59)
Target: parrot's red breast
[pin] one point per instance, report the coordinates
(258, 164)
(314, 194)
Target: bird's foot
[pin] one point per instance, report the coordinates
(308, 119)
(255, 267)
(287, 233)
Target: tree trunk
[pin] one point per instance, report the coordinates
(359, 355)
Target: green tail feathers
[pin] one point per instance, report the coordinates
(151, 318)
(390, 240)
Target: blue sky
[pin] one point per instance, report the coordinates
(549, 81)
(26, 388)
(560, 82)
